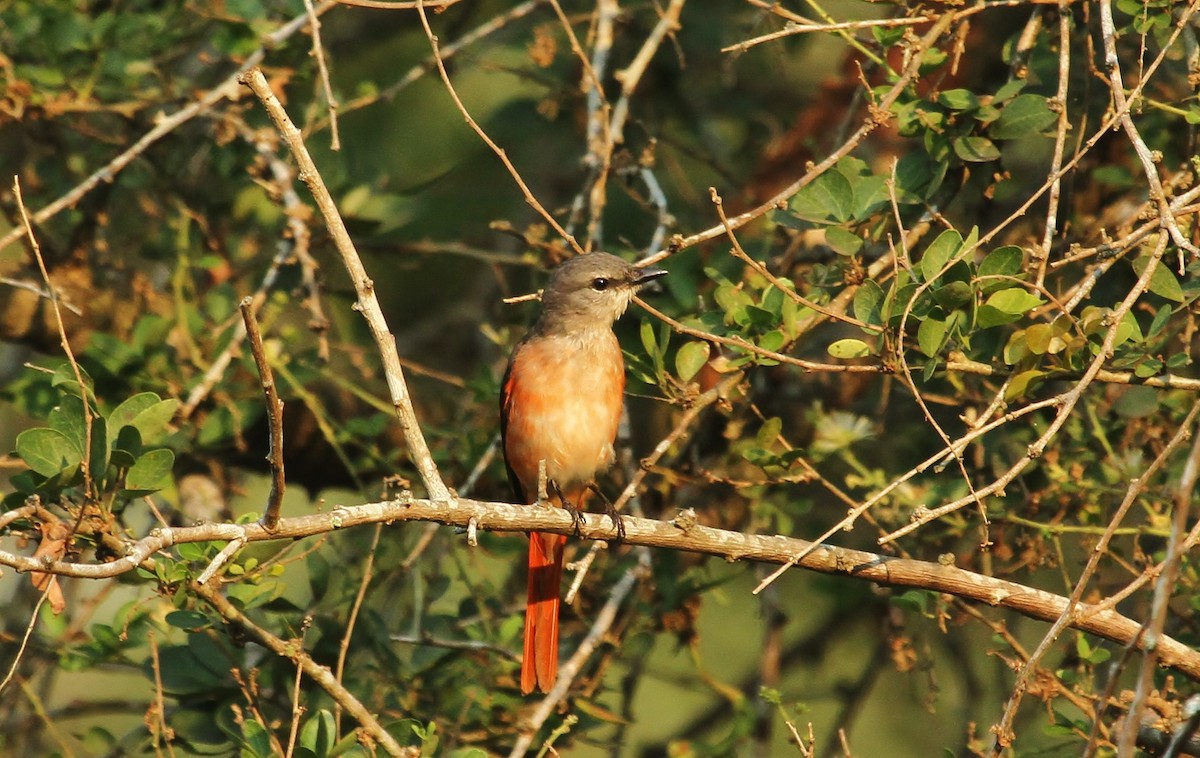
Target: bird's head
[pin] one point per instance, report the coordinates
(592, 290)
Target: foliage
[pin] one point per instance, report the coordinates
(954, 298)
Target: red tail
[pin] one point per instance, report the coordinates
(539, 667)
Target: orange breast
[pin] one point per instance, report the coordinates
(563, 402)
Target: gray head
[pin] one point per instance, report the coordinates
(590, 291)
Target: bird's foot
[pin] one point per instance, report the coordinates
(611, 511)
(569, 507)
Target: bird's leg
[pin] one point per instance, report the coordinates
(542, 497)
(569, 507)
(611, 511)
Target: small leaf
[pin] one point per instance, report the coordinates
(842, 241)
(1004, 261)
(931, 335)
(150, 470)
(124, 413)
(319, 734)
(47, 451)
(189, 621)
(1014, 300)
(976, 149)
(953, 295)
(849, 348)
(690, 359)
(828, 197)
(868, 302)
(1022, 383)
(1025, 116)
(1162, 282)
(958, 99)
(938, 253)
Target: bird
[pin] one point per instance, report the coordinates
(560, 403)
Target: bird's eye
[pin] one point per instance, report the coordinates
(600, 284)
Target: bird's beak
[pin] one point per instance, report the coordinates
(646, 275)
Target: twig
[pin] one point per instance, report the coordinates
(318, 673)
(1060, 138)
(221, 558)
(1164, 588)
(164, 126)
(1003, 729)
(40, 292)
(879, 115)
(1117, 86)
(499, 151)
(162, 730)
(85, 463)
(33, 619)
(318, 52)
(368, 302)
(298, 707)
(274, 414)
(472, 645)
(355, 608)
(632, 74)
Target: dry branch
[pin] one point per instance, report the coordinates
(680, 534)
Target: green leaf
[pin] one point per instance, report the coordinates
(917, 178)
(1025, 116)
(150, 470)
(958, 99)
(690, 359)
(931, 335)
(1162, 282)
(1003, 261)
(953, 295)
(124, 413)
(48, 451)
(1137, 402)
(849, 348)
(189, 621)
(257, 741)
(976, 149)
(829, 197)
(938, 253)
(67, 417)
(868, 302)
(1022, 383)
(319, 734)
(1014, 300)
(843, 242)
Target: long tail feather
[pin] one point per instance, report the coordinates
(539, 667)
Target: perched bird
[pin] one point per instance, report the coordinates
(560, 403)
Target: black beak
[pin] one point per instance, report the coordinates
(646, 275)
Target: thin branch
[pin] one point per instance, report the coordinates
(879, 115)
(371, 727)
(499, 151)
(368, 302)
(318, 52)
(274, 413)
(164, 126)
(85, 463)
(1117, 86)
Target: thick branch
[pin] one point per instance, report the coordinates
(680, 534)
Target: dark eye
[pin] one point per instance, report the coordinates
(600, 284)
